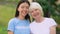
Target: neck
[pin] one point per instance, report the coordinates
(39, 19)
(21, 17)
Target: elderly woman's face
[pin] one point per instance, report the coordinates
(36, 13)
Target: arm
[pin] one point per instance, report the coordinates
(10, 32)
(53, 30)
(10, 27)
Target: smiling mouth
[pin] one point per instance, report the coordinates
(36, 14)
(25, 12)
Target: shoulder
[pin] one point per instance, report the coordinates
(27, 20)
(51, 22)
(50, 19)
(12, 20)
(32, 23)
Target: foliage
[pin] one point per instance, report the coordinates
(50, 8)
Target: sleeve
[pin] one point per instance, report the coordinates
(11, 25)
(52, 22)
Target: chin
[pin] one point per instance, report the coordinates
(34, 17)
(24, 15)
(37, 17)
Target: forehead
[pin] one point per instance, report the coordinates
(24, 4)
(33, 9)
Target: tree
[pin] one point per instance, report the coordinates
(50, 8)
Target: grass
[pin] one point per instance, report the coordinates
(7, 12)
(3, 30)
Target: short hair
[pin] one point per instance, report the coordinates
(35, 5)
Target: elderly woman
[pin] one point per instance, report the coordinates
(41, 25)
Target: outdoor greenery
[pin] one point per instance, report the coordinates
(7, 11)
(51, 9)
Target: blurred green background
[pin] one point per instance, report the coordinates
(7, 11)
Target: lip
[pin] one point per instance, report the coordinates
(37, 14)
(24, 12)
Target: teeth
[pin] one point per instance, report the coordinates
(36, 14)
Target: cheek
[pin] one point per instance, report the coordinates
(32, 14)
(19, 9)
(27, 11)
(40, 13)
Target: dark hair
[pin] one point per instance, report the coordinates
(17, 12)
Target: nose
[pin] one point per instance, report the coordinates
(34, 12)
(25, 9)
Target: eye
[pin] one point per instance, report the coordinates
(22, 6)
(27, 7)
(36, 9)
(31, 12)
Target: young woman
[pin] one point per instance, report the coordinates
(20, 24)
(41, 25)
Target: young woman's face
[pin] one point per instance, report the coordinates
(23, 9)
(36, 13)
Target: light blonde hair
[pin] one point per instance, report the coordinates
(35, 5)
